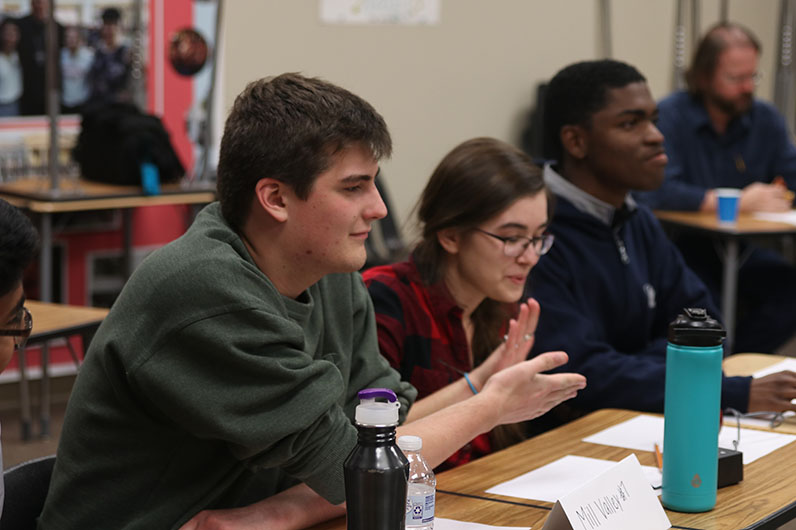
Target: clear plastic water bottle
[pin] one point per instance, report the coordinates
(422, 487)
(692, 406)
(376, 471)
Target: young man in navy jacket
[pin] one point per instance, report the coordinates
(613, 281)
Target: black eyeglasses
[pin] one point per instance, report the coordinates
(514, 246)
(22, 330)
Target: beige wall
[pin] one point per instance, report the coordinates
(472, 75)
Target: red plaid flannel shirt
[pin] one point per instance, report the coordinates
(421, 334)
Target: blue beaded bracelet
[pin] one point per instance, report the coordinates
(469, 383)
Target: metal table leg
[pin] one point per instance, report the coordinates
(45, 293)
(44, 415)
(127, 246)
(45, 257)
(729, 290)
(24, 396)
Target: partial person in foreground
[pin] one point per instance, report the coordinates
(18, 244)
(613, 282)
(220, 389)
(718, 135)
(442, 315)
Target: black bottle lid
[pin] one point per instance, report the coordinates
(694, 327)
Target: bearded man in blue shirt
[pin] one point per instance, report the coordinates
(717, 135)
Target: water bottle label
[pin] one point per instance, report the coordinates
(419, 509)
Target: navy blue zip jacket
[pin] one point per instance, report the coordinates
(607, 295)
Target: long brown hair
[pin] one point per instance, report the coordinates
(473, 183)
(713, 44)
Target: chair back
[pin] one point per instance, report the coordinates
(389, 247)
(26, 486)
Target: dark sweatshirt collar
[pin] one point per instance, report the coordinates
(586, 203)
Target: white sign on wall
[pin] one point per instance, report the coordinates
(403, 12)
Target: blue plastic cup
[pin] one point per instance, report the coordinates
(728, 205)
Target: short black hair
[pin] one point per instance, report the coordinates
(111, 15)
(18, 244)
(577, 92)
(288, 128)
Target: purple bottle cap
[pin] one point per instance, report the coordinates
(377, 413)
(373, 393)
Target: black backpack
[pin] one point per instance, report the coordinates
(116, 138)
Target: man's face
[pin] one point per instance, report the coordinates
(330, 227)
(11, 305)
(624, 147)
(72, 38)
(108, 32)
(9, 36)
(732, 87)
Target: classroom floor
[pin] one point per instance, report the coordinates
(15, 450)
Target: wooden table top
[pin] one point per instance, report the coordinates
(768, 485)
(35, 194)
(708, 222)
(51, 320)
(473, 510)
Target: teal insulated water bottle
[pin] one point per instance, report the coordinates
(692, 412)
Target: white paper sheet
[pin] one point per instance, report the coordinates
(787, 364)
(450, 524)
(554, 480)
(783, 217)
(643, 432)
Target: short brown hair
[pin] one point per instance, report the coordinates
(713, 44)
(288, 128)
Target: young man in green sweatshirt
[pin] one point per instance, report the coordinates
(220, 388)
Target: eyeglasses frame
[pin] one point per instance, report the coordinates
(546, 241)
(23, 332)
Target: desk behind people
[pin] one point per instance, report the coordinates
(51, 321)
(718, 135)
(37, 196)
(729, 238)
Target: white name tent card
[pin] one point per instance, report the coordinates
(619, 499)
(451, 524)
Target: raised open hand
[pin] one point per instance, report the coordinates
(516, 347)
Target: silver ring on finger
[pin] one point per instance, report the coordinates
(527, 336)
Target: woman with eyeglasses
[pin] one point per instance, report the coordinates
(450, 317)
(18, 242)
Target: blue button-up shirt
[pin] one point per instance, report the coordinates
(755, 147)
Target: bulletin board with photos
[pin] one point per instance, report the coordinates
(156, 56)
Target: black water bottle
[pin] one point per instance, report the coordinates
(376, 471)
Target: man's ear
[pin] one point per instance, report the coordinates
(449, 239)
(574, 141)
(270, 195)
